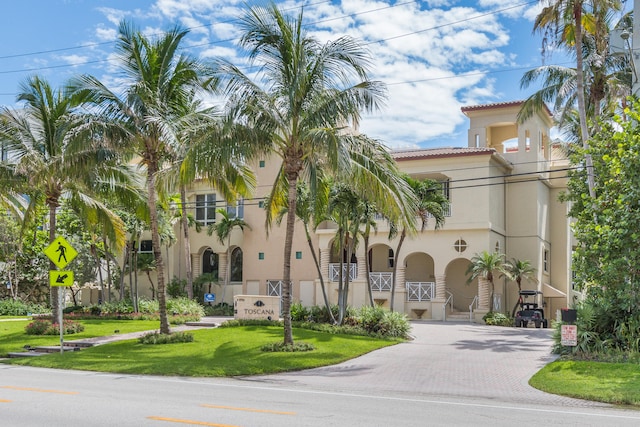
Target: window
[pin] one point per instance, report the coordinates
(497, 249)
(445, 189)
(236, 265)
(298, 255)
(206, 208)
(260, 255)
(237, 210)
(145, 247)
(390, 259)
(460, 245)
(261, 204)
(209, 262)
(261, 163)
(545, 260)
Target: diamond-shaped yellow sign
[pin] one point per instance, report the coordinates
(60, 252)
(60, 278)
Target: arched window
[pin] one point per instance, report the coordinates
(236, 265)
(209, 262)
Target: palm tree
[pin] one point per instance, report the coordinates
(516, 270)
(431, 202)
(223, 228)
(563, 22)
(482, 266)
(298, 108)
(159, 83)
(53, 159)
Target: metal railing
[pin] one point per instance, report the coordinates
(444, 306)
(475, 302)
(420, 291)
(381, 282)
(334, 271)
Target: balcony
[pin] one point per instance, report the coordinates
(334, 271)
(420, 291)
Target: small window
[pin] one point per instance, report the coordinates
(497, 249)
(545, 260)
(261, 204)
(298, 255)
(145, 247)
(460, 245)
(261, 163)
(260, 255)
(390, 258)
(206, 208)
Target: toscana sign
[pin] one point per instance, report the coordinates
(256, 307)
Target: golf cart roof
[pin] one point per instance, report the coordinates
(529, 293)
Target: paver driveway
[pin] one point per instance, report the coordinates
(445, 359)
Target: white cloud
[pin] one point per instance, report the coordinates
(74, 59)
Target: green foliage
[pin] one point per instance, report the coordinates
(184, 306)
(221, 309)
(494, 318)
(282, 347)
(250, 322)
(46, 327)
(320, 314)
(299, 313)
(177, 288)
(158, 338)
(147, 306)
(11, 307)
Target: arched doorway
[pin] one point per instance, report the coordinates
(463, 292)
(236, 265)
(209, 262)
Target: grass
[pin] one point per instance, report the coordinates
(215, 352)
(616, 383)
(14, 338)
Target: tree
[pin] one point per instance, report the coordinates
(606, 255)
(159, 83)
(563, 23)
(298, 107)
(431, 201)
(516, 270)
(482, 266)
(223, 227)
(54, 159)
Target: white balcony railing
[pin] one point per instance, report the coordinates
(334, 271)
(420, 291)
(381, 282)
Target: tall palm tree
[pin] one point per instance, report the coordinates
(298, 106)
(563, 22)
(483, 266)
(516, 270)
(54, 159)
(431, 202)
(223, 227)
(159, 83)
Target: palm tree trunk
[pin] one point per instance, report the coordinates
(53, 290)
(227, 274)
(157, 248)
(367, 267)
(288, 243)
(582, 110)
(319, 270)
(396, 256)
(187, 245)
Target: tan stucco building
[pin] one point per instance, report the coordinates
(503, 190)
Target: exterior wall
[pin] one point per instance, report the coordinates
(501, 199)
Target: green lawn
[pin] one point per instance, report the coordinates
(215, 352)
(617, 383)
(13, 338)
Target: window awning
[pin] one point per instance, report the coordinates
(549, 291)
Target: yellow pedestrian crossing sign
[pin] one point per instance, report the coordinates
(60, 252)
(60, 278)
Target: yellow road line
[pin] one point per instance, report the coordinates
(265, 411)
(39, 390)
(4, 401)
(192, 422)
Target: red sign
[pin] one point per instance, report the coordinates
(569, 335)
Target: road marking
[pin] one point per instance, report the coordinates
(5, 401)
(39, 390)
(192, 422)
(264, 411)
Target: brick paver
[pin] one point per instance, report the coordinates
(447, 359)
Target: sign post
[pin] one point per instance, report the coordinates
(61, 253)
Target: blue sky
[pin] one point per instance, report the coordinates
(435, 56)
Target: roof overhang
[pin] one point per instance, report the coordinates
(549, 291)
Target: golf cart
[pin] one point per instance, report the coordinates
(530, 311)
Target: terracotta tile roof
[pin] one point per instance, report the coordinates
(494, 105)
(423, 153)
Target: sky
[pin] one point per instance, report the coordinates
(435, 56)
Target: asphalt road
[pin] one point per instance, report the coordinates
(450, 375)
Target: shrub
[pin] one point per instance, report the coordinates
(299, 313)
(148, 306)
(45, 327)
(184, 306)
(176, 288)
(282, 347)
(221, 309)
(11, 307)
(158, 338)
(320, 314)
(494, 318)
